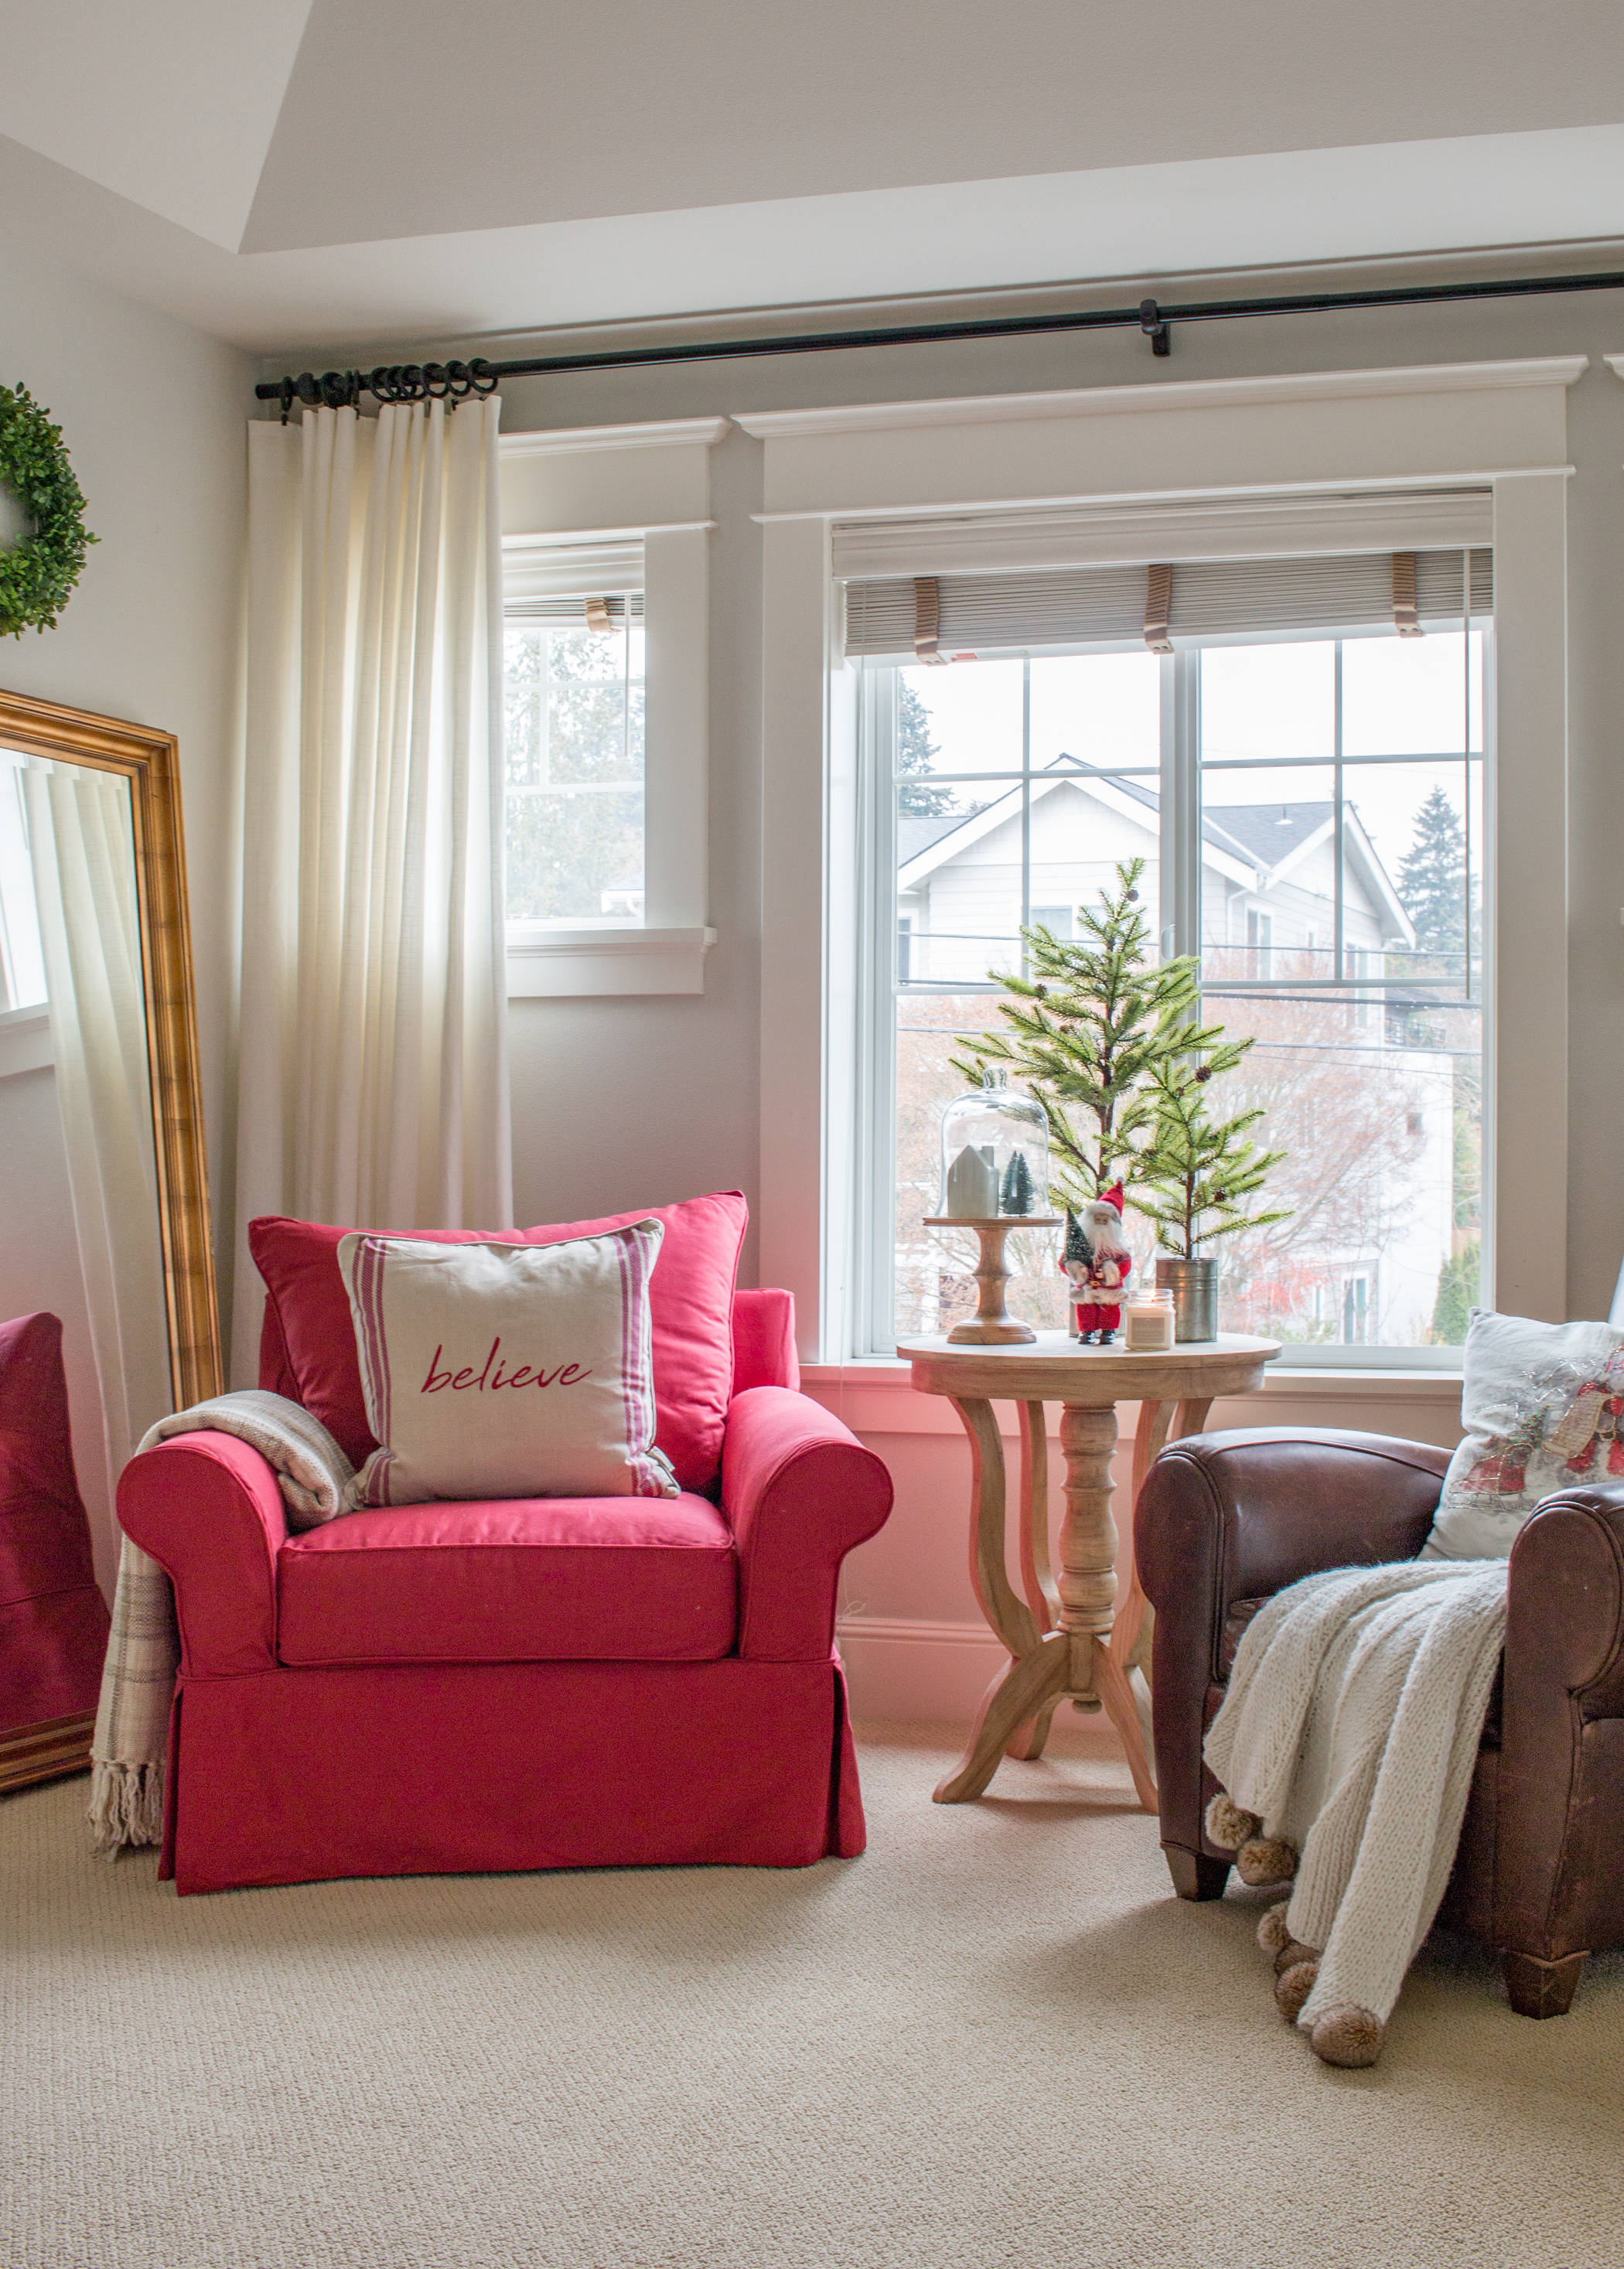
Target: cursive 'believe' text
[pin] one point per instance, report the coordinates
(492, 1376)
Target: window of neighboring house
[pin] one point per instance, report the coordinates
(574, 709)
(1259, 939)
(1327, 792)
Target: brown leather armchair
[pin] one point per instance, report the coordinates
(1224, 1520)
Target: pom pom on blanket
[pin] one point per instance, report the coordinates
(1274, 1932)
(1292, 1987)
(1266, 1859)
(1227, 1826)
(1348, 2035)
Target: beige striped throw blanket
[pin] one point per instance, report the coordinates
(144, 1645)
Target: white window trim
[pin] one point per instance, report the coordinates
(566, 492)
(1501, 424)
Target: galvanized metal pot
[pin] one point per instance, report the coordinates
(1194, 1287)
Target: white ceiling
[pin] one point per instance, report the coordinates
(281, 172)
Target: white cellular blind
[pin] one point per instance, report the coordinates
(1210, 598)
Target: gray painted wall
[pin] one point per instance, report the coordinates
(152, 414)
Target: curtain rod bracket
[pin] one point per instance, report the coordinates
(1154, 325)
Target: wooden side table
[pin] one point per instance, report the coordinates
(1065, 1638)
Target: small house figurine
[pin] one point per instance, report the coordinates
(994, 1180)
(994, 1153)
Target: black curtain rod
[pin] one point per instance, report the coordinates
(455, 381)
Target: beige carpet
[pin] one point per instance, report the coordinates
(995, 2040)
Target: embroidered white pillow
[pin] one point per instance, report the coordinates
(1542, 1406)
(506, 1370)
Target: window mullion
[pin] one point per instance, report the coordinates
(1181, 803)
(874, 1320)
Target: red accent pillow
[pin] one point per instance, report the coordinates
(689, 1298)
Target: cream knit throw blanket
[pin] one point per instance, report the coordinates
(144, 1645)
(1351, 1728)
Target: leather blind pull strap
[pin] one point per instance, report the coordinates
(1406, 620)
(926, 617)
(598, 617)
(1158, 608)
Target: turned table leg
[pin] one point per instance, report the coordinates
(1088, 1581)
(1075, 1657)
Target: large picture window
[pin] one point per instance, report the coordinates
(1309, 811)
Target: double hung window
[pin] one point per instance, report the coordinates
(1304, 780)
(574, 713)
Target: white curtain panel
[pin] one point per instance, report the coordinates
(81, 843)
(373, 1051)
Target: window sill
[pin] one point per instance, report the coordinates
(577, 964)
(875, 1397)
(25, 1043)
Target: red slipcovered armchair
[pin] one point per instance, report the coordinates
(547, 1682)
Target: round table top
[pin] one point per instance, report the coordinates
(1056, 1368)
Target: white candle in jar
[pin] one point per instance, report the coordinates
(1149, 1319)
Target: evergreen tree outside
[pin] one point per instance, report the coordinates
(915, 749)
(1458, 1293)
(1432, 883)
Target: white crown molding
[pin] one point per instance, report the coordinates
(1171, 394)
(573, 964)
(1122, 499)
(572, 440)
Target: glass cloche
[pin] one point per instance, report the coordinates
(994, 1154)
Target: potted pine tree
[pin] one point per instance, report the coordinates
(1084, 1031)
(1200, 1174)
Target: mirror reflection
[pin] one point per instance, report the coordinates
(76, 1124)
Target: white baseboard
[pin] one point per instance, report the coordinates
(921, 1673)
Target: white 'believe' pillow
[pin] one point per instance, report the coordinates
(505, 1371)
(1542, 1406)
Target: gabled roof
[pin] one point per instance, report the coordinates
(916, 831)
(1255, 844)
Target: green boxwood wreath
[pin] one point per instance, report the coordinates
(37, 576)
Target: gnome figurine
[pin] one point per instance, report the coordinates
(1097, 1262)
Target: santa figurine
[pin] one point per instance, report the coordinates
(1097, 1262)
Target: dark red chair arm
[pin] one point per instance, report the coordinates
(1565, 1602)
(208, 1510)
(800, 1492)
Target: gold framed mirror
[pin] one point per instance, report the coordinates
(107, 1307)
(68, 742)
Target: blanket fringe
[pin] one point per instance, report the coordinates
(126, 1806)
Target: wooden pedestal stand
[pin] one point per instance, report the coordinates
(1065, 1638)
(992, 1325)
